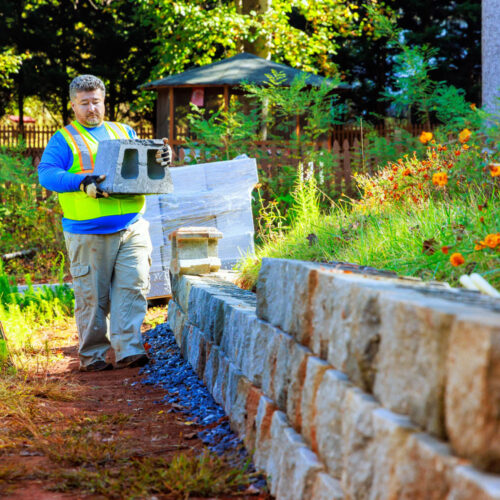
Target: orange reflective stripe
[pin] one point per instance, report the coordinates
(78, 151)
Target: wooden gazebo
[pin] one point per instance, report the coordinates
(210, 86)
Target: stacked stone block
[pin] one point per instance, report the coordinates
(307, 371)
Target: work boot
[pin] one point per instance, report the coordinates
(133, 361)
(96, 366)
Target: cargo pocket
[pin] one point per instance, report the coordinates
(82, 287)
(79, 271)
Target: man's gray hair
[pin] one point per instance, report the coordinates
(85, 83)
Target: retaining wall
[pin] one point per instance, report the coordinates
(348, 386)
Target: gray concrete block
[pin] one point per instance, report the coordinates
(130, 167)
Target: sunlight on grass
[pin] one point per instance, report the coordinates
(411, 239)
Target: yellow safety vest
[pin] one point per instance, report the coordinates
(77, 205)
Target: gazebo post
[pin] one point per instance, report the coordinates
(171, 115)
(226, 97)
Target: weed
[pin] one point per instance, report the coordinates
(183, 476)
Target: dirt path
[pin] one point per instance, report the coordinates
(116, 425)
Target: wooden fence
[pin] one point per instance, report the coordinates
(344, 143)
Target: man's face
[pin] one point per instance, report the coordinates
(89, 107)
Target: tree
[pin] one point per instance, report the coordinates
(491, 55)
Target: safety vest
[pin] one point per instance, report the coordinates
(77, 205)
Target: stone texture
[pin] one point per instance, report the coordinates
(130, 167)
(411, 368)
(468, 483)
(279, 423)
(263, 441)
(315, 371)
(298, 466)
(297, 366)
(424, 470)
(328, 420)
(358, 444)
(326, 487)
(194, 250)
(473, 390)
(176, 320)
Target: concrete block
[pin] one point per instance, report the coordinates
(196, 350)
(315, 371)
(263, 442)
(176, 320)
(130, 167)
(326, 487)
(328, 420)
(424, 469)
(468, 483)
(358, 447)
(298, 467)
(297, 365)
(411, 367)
(211, 366)
(252, 405)
(194, 250)
(219, 390)
(279, 423)
(473, 389)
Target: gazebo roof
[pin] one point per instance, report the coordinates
(233, 71)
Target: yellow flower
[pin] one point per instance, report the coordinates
(440, 179)
(425, 137)
(456, 259)
(494, 169)
(464, 136)
(465, 147)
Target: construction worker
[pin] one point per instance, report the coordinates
(106, 237)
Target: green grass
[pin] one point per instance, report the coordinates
(393, 238)
(23, 315)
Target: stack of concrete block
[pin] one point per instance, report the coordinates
(211, 195)
(349, 386)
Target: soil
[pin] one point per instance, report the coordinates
(150, 431)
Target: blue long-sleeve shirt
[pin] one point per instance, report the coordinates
(53, 174)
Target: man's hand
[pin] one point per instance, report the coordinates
(164, 155)
(89, 186)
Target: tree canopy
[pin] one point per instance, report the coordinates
(129, 42)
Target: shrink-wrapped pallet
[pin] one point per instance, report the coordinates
(211, 194)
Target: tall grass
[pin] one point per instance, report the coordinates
(25, 314)
(413, 240)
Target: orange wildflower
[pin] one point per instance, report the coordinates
(425, 137)
(457, 152)
(494, 169)
(465, 147)
(473, 106)
(440, 179)
(465, 135)
(481, 219)
(456, 259)
(478, 246)
(492, 240)
(445, 249)
(407, 172)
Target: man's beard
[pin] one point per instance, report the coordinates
(93, 120)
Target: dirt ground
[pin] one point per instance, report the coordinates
(131, 415)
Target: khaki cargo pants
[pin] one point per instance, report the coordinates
(111, 282)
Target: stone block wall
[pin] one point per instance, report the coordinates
(347, 386)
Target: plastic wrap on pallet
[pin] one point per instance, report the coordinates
(211, 194)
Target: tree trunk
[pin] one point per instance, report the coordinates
(20, 102)
(259, 47)
(490, 48)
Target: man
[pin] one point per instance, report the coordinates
(106, 237)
